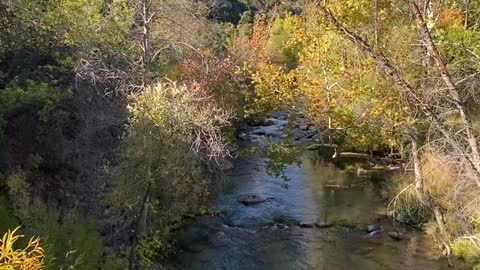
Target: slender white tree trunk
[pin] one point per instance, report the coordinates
(472, 159)
(452, 89)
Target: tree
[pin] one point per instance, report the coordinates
(343, 90)
(413, 94)
(173, 132)
(417, 97)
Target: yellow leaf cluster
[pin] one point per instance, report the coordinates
(29, 258)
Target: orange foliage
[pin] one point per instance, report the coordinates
(213, 77)
(453, 17)
(255, 49)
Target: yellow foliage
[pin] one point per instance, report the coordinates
(273, 89)
(452, 17)
(342, 86)
(29, 258)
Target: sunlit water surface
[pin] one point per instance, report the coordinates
(263, 236)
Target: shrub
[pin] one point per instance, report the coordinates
(71, 244)
(29, 258)
(174, 132)
(467, 250)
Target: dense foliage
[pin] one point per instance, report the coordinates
(114, 114)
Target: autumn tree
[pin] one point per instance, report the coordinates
(173, 132)
(465, 145)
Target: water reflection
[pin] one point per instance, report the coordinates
(264, 236)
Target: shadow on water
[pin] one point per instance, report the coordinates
(267, 235)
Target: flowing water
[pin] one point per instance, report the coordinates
(267, 235)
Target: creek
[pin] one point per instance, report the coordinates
(289, 229)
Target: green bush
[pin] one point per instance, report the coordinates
(465, 249)
(42, 95)
(73, 243)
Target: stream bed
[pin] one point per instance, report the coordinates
(280, 233)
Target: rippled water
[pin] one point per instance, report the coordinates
(264, 237)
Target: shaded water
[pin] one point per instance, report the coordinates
(263, 236)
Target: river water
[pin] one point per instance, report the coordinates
(267, 235)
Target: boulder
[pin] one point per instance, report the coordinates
(312, 128)
(250, 199)
(254, 122)
(395, 236)
(243, 136)
(375, 234)
(259, 132)
(374, 227)
(268, 122)
(303, 127)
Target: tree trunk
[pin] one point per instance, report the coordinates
(437, 212)
(138, 230)
(418, 172)
(467, 10)
(454, 94)
(422, 198)
(390, 69)
(146, 19)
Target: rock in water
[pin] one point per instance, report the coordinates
(255, 122)
(395, 236)
(268, 122)
(305, 225)
(375, 234)
(250, 199)
(373, 228)
(324, 225)
(243, 136)
(303, 127)
(259, 132)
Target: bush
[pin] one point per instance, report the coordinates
(467, 250)
(43, 95)
(30, 256)
(71, 244)
(406, 204)
(173, 134)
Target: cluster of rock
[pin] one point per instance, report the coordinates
(275, 127)
(376, 231)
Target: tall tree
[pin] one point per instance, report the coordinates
(413, 93)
